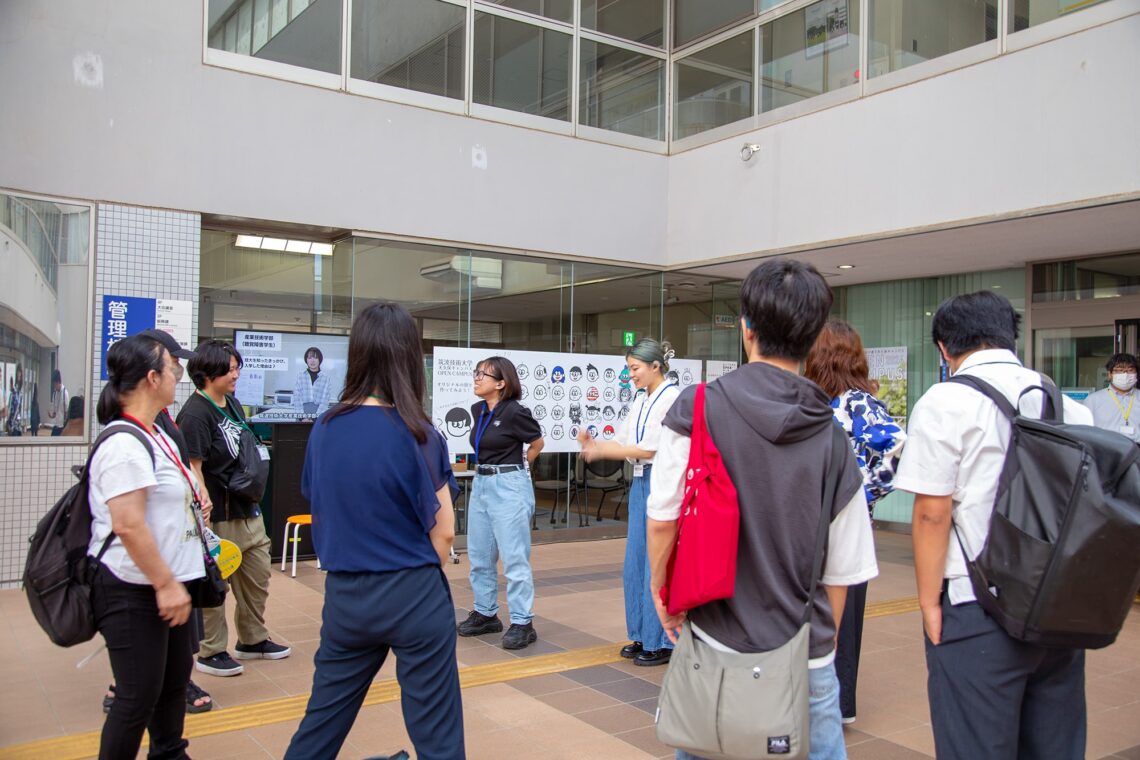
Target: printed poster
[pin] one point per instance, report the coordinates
(888, 366)
(825, 27)
(565, 392)
(717, 369)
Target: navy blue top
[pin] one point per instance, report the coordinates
(372, 490)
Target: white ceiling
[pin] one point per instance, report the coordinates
(974, 248)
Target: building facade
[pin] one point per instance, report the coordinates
(555, 175)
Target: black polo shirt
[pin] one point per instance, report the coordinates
(505, 429)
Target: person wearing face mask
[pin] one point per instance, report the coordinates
(1114, 408)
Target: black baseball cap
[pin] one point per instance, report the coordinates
(169, 343)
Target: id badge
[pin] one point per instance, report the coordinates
(263, 452)
(1128, 430)
(638, 470)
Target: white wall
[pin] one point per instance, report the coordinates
(1049, 125)
(26, 298)
(164, 130)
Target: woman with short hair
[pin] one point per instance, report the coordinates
(146, 538)
(502, 504)
(379, 482)
(313, 387)
(636, 442)
(837, 363)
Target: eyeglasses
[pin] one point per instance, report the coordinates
(480, 374)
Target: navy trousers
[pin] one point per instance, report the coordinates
(848, 646)
(997, 698)
(365, 616)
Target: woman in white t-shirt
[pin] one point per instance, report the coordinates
(636, 442)
(146, 535)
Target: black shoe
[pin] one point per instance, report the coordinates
(629, 651)
(401, 755)
(477, 624)
(266, 650)
(650, 658)
(519, 636)
(220, 664)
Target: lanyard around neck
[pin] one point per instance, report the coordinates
(1131, 402)
(481, 427)
(639, 431)
(168, 453)
(223, 412)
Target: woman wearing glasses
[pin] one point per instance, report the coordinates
(502, 504)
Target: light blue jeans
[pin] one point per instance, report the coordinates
(641, 621)
(498, 524)
(826, 723)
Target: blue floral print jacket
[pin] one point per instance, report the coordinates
(875, 438)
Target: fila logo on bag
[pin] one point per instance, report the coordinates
(779, 745)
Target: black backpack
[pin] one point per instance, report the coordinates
(57, 576)
(1060, 566)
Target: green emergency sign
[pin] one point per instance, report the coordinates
(628, 338)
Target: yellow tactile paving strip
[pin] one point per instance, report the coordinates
(242, 717)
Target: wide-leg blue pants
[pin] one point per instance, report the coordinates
(641, 621)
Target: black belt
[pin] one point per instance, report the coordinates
(496, 469)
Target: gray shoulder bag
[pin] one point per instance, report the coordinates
(730, 706)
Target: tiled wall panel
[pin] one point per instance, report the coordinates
(150, 253)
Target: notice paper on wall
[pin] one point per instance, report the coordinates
(565, 392)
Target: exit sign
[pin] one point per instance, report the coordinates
(628, 338)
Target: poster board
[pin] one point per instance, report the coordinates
(888, 366)
(565, 392)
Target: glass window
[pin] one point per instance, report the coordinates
(45, 300)
(521, 67)
(906, 33)
(622, 91)
(637, 20)
(412, 44)
(1074, 357)
(1087, 279)
(693, 19)
(714, 86)
(1026, 13)
(310, 39)
(809, 52)
(559, 10)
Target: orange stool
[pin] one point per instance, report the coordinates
(294, 524)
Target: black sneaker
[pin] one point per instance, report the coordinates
(519, 636)
(477, 624)
(629, 651)
(220, 664)
(266, 650)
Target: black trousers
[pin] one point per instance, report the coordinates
(994, 697)
(365, 616)
(151, 663)
(847, 647)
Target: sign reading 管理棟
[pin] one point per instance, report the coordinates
(126, 315)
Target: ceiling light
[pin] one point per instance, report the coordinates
(282, 244)
(846, 266)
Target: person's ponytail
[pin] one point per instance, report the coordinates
(129, 361)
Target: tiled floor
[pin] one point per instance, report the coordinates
(602, 711)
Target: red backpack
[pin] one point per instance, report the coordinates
(702, 567)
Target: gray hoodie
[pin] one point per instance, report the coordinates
(776, 433)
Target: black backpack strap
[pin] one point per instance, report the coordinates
(987, 390)
(1051, 408)
(139, 436)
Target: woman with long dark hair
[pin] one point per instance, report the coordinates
(837, 363)
(145, 534)
(502, 504)
(636, 442)
(379, 482)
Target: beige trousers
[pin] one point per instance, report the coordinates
(249, 584)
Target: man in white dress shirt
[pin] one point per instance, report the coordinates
(1113, 407)
(991, 696)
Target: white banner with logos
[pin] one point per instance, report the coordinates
(565, 392)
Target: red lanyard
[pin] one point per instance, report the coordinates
(169, 454)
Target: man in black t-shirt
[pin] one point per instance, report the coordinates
(212, 422)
